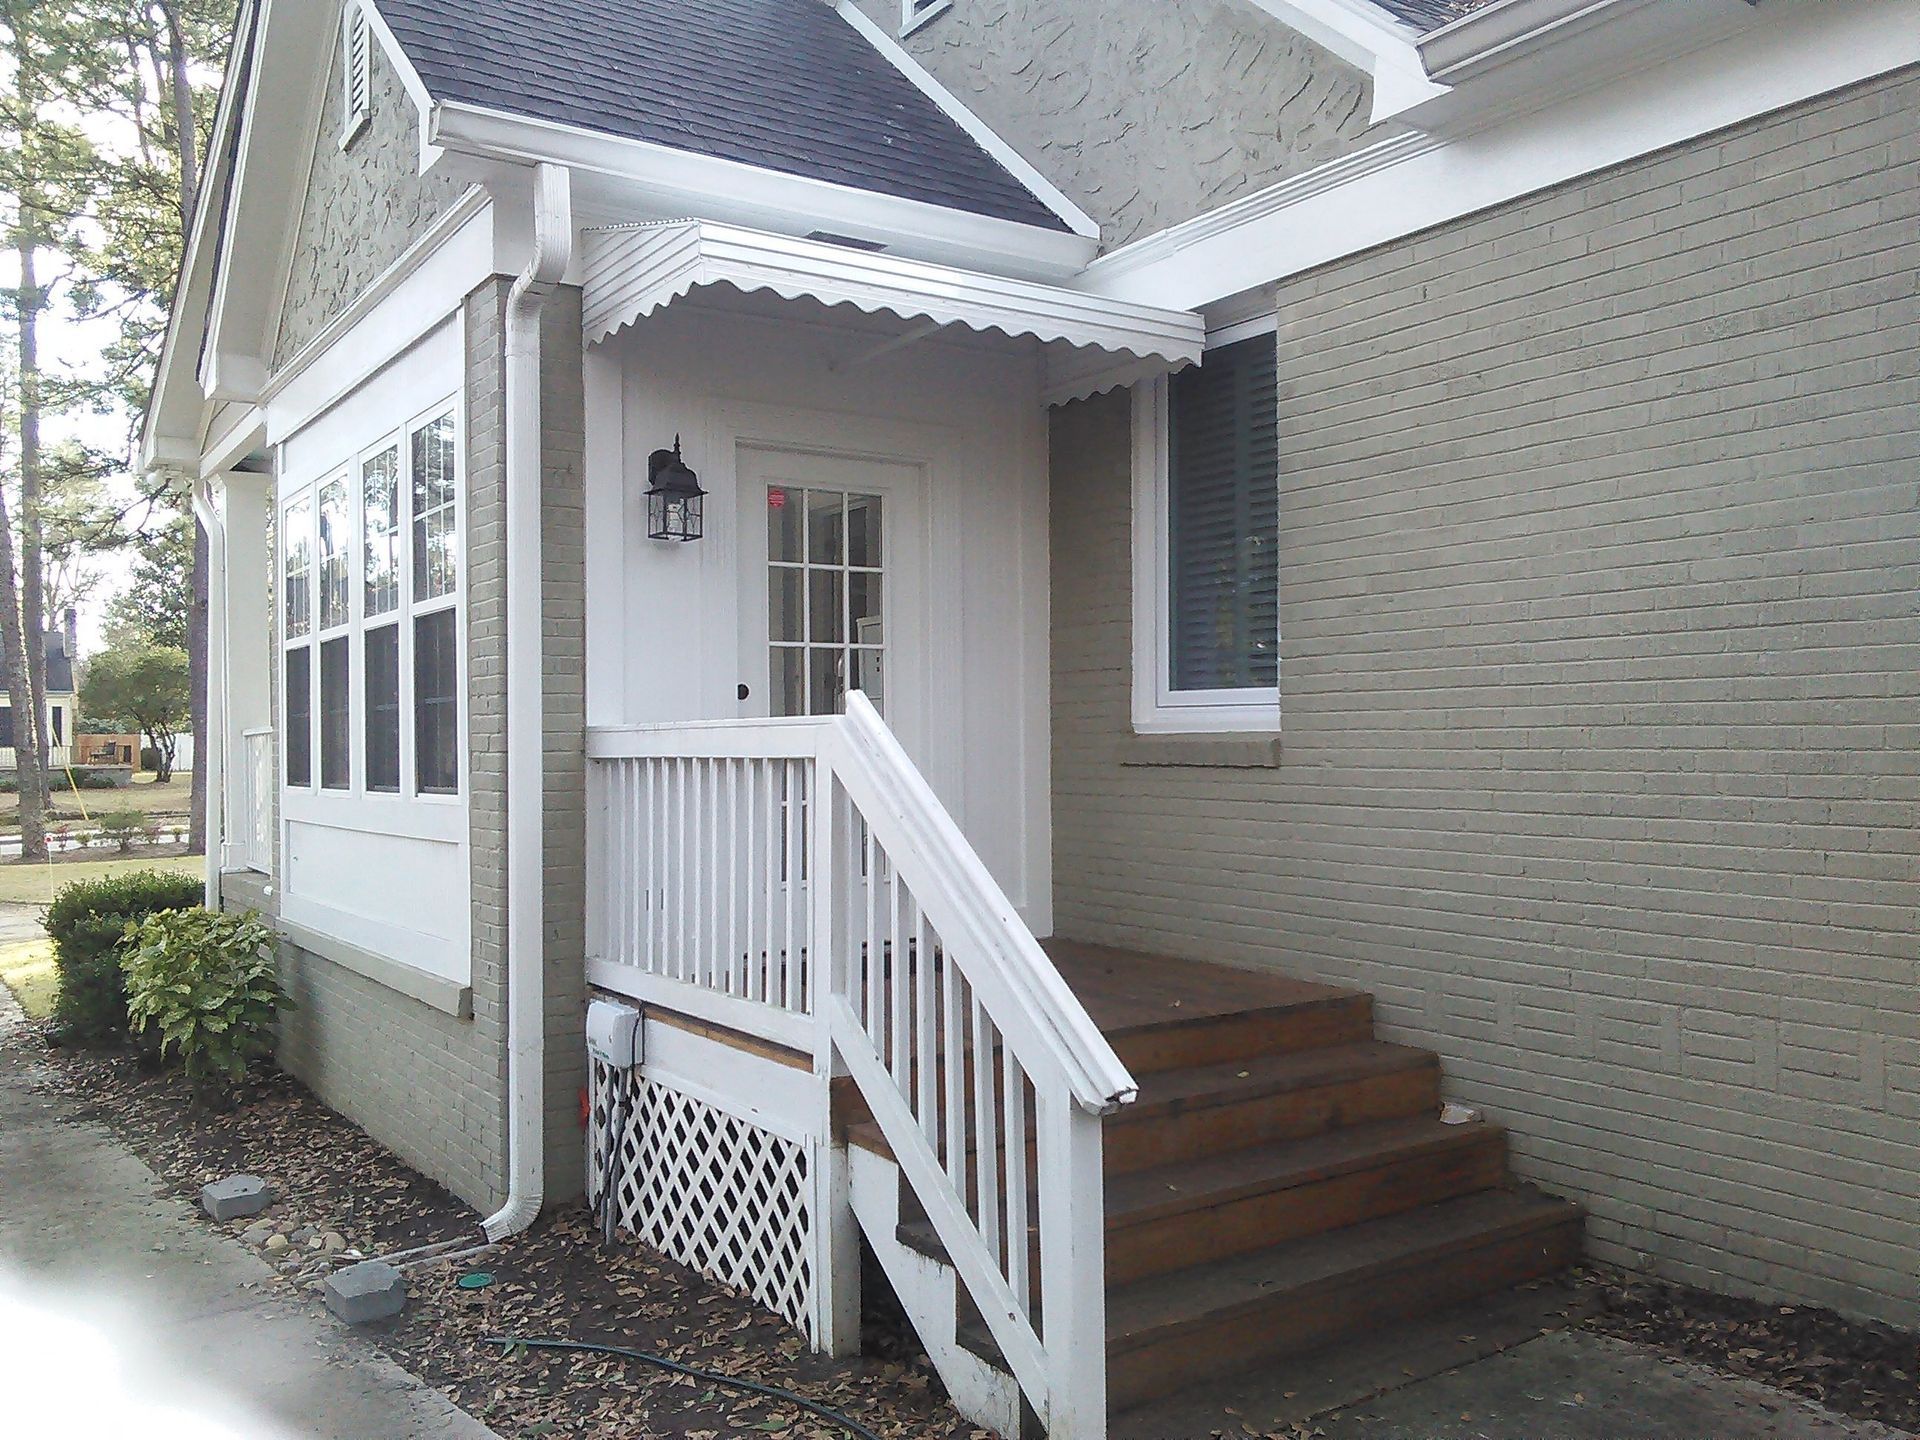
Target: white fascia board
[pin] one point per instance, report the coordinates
(1503, 30)
(634, 271)
(1411, 183)
(174, 410)
(662, 179)
(1370, 40)
(1012, 160)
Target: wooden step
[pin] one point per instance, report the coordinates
(1210, 1320)
(1203, 1110)
(1160, 1013)
(1197, 1212)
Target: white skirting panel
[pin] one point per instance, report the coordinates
(719, 1193)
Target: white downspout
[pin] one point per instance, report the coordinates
(213, 763)
(525, 960)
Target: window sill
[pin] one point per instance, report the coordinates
(1208, 752)
(436, 992)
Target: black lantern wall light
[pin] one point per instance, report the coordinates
(675, 501)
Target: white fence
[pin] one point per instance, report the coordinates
(798, 880)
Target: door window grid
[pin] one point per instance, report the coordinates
(825, 600)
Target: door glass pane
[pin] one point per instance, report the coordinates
(826, 523)
(863, 531)
(299, 568)
(785, 518)
(826, 694)
(786, 617)
(824, 602)
(789, 681)
(825, 612)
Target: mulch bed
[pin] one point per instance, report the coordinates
(93, 854)
(556, 1281)
(1866, 1371)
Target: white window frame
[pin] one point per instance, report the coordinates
(915, 13)
(356, 56)
(1158, 708)
(408, 810)
(308, 495)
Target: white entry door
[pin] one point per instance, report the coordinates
(831, 569)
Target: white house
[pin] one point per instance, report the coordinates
(1249, 552)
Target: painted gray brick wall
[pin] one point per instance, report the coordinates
(1143, 113)
(1600, 608)
(364, 205)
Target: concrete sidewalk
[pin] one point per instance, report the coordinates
(118, 1306)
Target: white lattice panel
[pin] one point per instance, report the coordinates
(710, 1190)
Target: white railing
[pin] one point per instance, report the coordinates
(255, 829)
(799, 879)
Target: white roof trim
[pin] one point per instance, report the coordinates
(1369, 39)
(632, 271)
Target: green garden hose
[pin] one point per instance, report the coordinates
(852, 1426)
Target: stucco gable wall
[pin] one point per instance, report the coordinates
(364, 206)
(1144, 113)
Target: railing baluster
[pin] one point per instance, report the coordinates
(954, 1065)
(900, 976)
(1013, 1098)
(735, 880)
(869, 892)
(924, 1049)
(985, 1129)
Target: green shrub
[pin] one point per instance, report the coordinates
(9, 784)
(94, 780)
(87, 921)
(121, 826)
(205, 981)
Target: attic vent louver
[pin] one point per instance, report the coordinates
(827, 237)
(356, 40)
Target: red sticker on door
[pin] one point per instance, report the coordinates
(776, 499)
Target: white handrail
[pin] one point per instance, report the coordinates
(777, 874)
(1101, 1081)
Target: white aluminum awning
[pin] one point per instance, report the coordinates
(1091, 342)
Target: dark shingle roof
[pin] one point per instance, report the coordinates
(786, 85)
(1428, 15)
(59, 664)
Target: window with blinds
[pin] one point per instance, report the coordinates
(1223, 483)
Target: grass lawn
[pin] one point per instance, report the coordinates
(33, 884)
(172, 799)
(26, 968)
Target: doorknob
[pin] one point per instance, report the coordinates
(744, 692)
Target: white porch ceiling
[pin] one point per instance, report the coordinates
(1091, 342)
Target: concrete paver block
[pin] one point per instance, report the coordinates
(235, 1197)
(368, 1291)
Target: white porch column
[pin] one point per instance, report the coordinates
(240, 656)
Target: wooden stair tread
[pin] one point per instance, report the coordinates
(1294, 1272)
(1169, 1190)
(1198, 1086)
(1125, 990)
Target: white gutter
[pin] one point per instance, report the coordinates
(1507, 29)
(526, 988)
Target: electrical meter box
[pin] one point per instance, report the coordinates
(613, 1034)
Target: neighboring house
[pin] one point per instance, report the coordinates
(63, 705)
(1412, 501)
